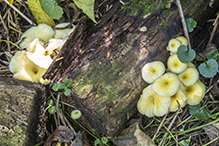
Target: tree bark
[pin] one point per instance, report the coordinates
(21, 106)
(105, 60)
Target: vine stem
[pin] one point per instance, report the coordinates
(183, 22)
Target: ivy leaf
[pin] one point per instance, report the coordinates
(51, 8)
(52, 110)
(55, 87)
(185, 142)
(39, 14)
(67, 92)
(62, 86)
(67, 82)
(191, 24)
(199, 112)
(185, 55)
(50, 102)
(87, 6)
(104, 140)
(210, 55)
(209, 69)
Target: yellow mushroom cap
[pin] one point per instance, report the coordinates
(166, 85)
(175, 65)
(151, 103)
(190, 64)
(63, 33)
(174, 45)
(52, 45)
(189, 76)
(24, 69)
(182, 40)
(151, 71)
(75, 114)
(43, 32)
(39, 57)
(195, 93)
(180, 97)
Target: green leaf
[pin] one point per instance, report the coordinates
(185, 142)
(210, 55)
(67, 82)
(52, 110)
(191, 24)
(55, 87)
(87, 6)
(51, 8)
(96, 142)
(50, 102)
(62, 86)
(199, 112)
(185, 55)
(209, 69)
(104, 140)
(39, 14)
(67, 92)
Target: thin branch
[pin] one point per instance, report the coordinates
(25, 17)
(183, 22)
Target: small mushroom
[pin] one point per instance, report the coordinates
(166, 85)
(151, 103)
(52, 45)
(151, 71)
(182, 40)
(195, 93)
(39, 57)
(75, 114)
(180, 97)
(174, 45)
(175, 65)
(62, 32)
(43, 32)
(189, 76)
(25, 69)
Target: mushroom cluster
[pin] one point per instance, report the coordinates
(42, 45)
(180, 85)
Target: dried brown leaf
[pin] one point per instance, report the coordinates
(62, 134)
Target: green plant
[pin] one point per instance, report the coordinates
(191, 24)
(64, 85)
(208, 68)
(199, 112)
(101, 142)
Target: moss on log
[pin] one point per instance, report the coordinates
(21, 104)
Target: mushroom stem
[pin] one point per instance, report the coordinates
(183, 22)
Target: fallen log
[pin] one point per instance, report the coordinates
(21, 106)
(105, 60)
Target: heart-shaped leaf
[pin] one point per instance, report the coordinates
(208, 69)
(67, 82)
(199, 112)
(191, 24)
(185, 55)
(67, 92)
(51, 8)
(212, 54)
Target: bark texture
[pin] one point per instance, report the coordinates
(21, 105)
(105, 63)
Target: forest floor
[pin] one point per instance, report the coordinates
(193, 131)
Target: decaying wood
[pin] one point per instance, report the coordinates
(106, 69)
(21, 105)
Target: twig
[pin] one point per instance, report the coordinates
(7, 32)
(183, 22)
(214, 29)
(25, 17)
(173, 120)
(158, 129)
